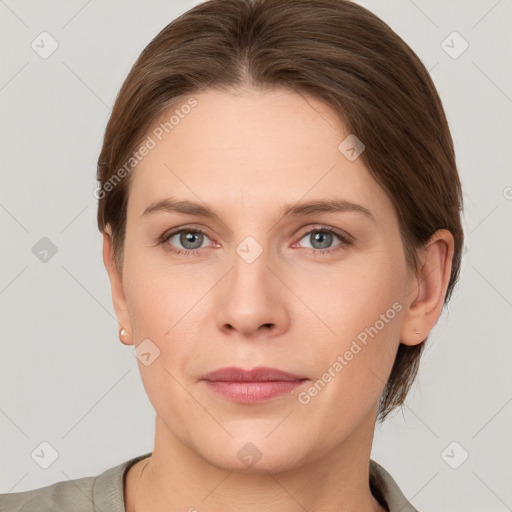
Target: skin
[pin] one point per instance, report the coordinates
(247, 153)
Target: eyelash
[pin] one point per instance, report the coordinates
(345, 241)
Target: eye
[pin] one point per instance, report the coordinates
(188, 241)
(321, 240)
(184, 240)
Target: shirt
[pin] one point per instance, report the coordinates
(105, 493)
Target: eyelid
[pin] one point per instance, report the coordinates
(343, 235)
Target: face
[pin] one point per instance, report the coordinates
(261, 281)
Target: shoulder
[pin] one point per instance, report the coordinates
(65, 495)
(87, 494)
(386, 490)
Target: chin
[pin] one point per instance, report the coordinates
(253, 454)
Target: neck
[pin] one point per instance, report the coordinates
(177, 478)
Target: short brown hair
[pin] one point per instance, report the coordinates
(335, 51)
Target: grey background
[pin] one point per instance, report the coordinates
(65, 377)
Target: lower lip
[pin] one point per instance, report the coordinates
(253, 392)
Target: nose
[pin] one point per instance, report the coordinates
(252, 299)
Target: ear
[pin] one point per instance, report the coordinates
(428, 287)
(116, 284)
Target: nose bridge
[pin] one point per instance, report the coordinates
(250, 294)
(250, 273)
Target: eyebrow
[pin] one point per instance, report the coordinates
(294, 210)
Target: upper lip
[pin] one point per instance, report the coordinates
(261, 373)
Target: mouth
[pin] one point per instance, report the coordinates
(252, 386)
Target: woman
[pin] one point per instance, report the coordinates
(280, 209)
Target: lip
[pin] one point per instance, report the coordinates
(258, 374)
(252, 386)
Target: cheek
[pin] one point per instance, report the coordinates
(167, 306)
(157, 296)
(360, 308)
(346, 298)
(168, 323)
(161, 307)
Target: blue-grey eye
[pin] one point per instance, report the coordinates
(321, 239)
(189, 240)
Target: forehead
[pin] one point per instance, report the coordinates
(248, 149)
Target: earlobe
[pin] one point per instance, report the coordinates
(116, 285)
(432, 282)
